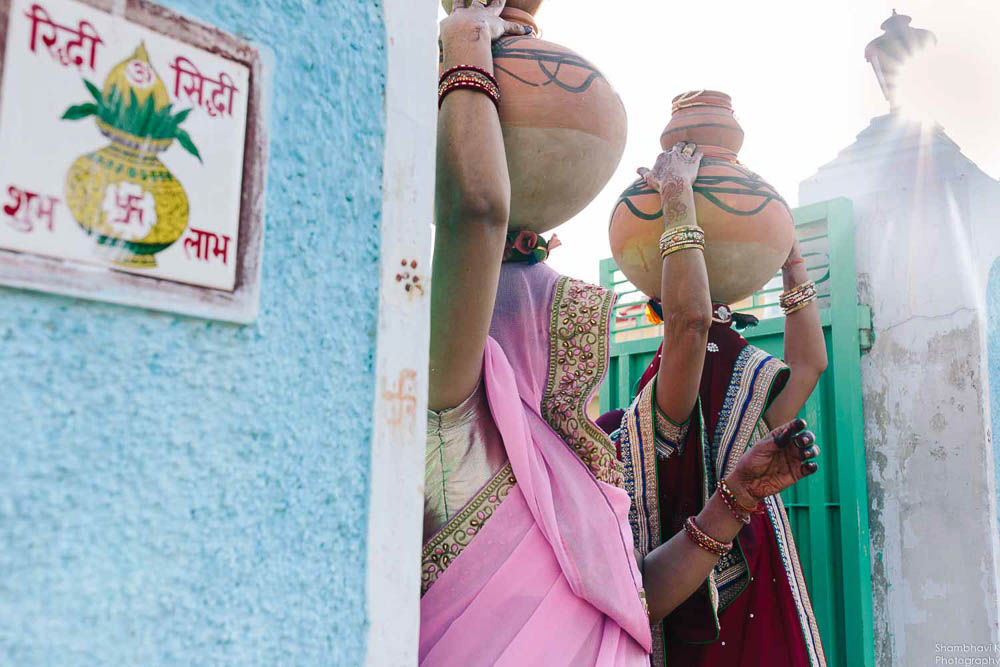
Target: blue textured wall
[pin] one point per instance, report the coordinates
(180, 492)
(993, 341)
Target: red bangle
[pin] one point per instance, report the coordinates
(469, 79)
(706, 541)
(470, 68)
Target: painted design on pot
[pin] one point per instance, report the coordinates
(551, 64)
(748, 226)
(564, 126)
(739, 181)
(121, 194)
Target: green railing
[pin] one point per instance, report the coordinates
(828, 512)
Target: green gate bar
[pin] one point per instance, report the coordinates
(828, 512)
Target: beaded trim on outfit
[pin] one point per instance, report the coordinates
(458, 533)
(578, 360)
(793, 568)
(637, 440)
(746, 399)
(639, 463)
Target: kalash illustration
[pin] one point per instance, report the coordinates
(122, 195)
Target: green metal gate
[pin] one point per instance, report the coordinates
(828, 512)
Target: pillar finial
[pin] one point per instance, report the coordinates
(890, 52)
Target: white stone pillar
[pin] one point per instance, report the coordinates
(926, 227)
(395, 509)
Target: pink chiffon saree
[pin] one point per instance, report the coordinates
(539, 568)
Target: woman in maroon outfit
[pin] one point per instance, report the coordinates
(705, 400)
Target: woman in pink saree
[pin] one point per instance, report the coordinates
(528, 556)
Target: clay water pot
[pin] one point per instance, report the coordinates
(564, 126)
(749, 229)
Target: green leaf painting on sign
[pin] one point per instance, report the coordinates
(140, 119)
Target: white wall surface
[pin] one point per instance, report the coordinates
(926, 232)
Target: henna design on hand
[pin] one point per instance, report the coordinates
(674, 208)
(673, 177)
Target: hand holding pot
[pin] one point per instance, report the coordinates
(483, 15)
(673, 176)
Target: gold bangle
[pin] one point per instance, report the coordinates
(808, 286)
(683, 228)
(797, 295)
(795, 309)
(678, 248)
(681, 238)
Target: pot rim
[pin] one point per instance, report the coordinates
(701, 98)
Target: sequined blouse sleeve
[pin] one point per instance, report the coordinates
(670, 436)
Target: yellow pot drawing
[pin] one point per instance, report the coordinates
(122, 194)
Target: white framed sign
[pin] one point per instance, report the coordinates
(132, 157)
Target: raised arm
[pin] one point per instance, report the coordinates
(687, 304)
(471, 208)
(805, 347)
(675, 570)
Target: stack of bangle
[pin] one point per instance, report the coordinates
(798, 298)
(739, 510)
(676, 239)
(705, 541)
(468, 77)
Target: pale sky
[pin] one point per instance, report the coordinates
(796, 70)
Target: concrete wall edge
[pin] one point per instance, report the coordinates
(397, 458)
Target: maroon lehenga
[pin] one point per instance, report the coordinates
(754, 609)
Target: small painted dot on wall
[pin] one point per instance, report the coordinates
(408, 277)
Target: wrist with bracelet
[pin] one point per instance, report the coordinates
(797, 298)
(686, 237)
(705, 541)
(741, 511)
(468, 77)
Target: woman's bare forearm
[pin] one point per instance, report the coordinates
(687, 314)
(687, 317)
(472, 204)
(805, 351)
(472, 183)
(675, 570)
